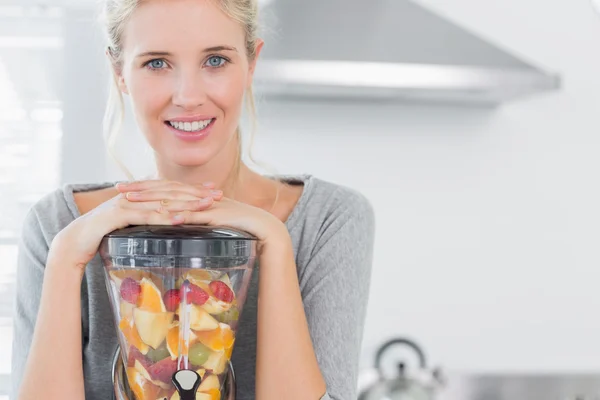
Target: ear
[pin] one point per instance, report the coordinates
(252, 67)
(117, 71)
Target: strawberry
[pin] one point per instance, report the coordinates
(221, 291)
(172, 299)
(194, 293)
(130, 290)
(163, 370)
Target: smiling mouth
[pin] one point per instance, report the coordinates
(191, 127)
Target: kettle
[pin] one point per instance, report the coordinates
(419, 384)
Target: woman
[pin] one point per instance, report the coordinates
(185, 66)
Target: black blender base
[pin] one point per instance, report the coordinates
(121, 389)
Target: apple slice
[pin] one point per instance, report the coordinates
(217, 361)
(200, 320)
(163, 370)
(215, 306)
(143, 371)
(126, 309)
(152, 327)
(209, 382)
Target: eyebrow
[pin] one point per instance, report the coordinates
(167, 54)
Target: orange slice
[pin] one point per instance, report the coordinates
(173, 341)
(229, 350)
(128, 329)
(217, 340)
(142, 388)
(151, 297)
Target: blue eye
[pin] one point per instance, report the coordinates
(156, 64)
(216, 61)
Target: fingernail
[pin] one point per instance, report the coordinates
(206, 200)
(178, 218)
(216, 192)
(208, 184)
(132, 195)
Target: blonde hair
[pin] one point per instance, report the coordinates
(115, 15)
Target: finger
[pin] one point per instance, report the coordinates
(206, 217)
(171, 206)
(137, 186)
(188, 194)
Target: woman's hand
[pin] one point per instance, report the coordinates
(226, 212)
(78, 243)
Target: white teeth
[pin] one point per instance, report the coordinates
(190, 126)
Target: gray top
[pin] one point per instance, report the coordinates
(332, 229)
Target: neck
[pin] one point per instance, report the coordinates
(232, 179)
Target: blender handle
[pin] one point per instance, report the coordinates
(186, 382)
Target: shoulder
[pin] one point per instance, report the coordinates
(55, 210)
(339, 203)
(330, 214)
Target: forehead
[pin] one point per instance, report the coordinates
(179, 25)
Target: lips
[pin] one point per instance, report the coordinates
(191, 129)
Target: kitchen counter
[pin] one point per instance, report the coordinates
(521, 387)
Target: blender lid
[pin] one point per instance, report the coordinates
(178, 241)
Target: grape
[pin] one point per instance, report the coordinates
(228, 317)
(158, 354)
(198, 354)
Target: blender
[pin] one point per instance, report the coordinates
(177, 294)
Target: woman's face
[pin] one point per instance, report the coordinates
(186, 70)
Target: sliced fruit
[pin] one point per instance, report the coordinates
(131, 334)
(119, 274)
(215, 307)
(144, 371)
(201, 372)
(200, 319)
(230, 316)
(126, 309)
(209, 382)
(141, 388)
(199, 354)
(218, 339)
(229, 350)
(194, 294)
(225, 278)
(216, 362)
(221, 291)
(130, 290)
(173, 341)
(163, 370)
(195, 276)
(156, 355)
(213, 394)
(151, 298)
(171, 299)
(135, 355)
(152, 327)
(199, 396)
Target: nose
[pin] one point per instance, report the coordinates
(189, 92)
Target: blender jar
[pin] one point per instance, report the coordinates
(177, 293)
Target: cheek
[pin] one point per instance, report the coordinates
(226, 90)
(148, 93)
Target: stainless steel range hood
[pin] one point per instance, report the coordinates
(385, 50)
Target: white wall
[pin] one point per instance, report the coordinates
(486, 248)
